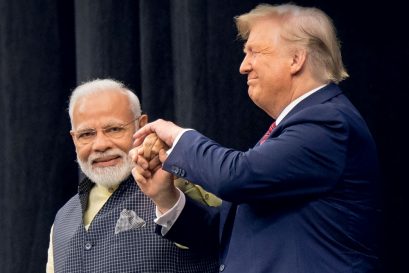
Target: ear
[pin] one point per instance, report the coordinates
(298, 60)
(143, 120)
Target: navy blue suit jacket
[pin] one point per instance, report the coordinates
(304, 201)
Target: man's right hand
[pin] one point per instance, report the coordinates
(151, 147)
(167, 131)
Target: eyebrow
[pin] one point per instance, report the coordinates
(113, 123)
(253, 44)
(245, 47)
(85, 130)
(106, 125)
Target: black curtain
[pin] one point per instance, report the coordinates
(182, 58)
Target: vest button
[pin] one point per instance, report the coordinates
(88, 246)
(221, 267)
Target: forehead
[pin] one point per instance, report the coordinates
(264, 31)
(96, 109)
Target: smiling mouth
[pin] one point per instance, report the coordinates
(106, 161)
(249, 81)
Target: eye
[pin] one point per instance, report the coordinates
(254, 52)
(250, 52)
(86, 134)
(114, 129)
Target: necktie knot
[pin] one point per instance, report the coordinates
(272, 126)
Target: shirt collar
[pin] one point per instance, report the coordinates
(289, 107)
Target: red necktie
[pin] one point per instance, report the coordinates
(272, 126)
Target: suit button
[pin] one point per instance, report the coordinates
(182, 173)
(178, 171)
(175, 170)
(88, 246)
(221, 268)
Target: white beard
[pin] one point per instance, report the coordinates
(109, 177)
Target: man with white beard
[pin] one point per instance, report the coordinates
(108, 226)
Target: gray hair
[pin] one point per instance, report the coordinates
(307, 27)
(103, 85)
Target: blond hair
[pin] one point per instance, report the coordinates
(309, 28)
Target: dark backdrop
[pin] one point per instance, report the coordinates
(182, 58)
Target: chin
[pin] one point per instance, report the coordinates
(252, 95)
(110, 176)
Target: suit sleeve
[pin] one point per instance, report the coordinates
(196, 227)
(304, 156)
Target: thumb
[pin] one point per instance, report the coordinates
(162, 155)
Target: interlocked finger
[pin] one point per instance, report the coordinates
(152, 145)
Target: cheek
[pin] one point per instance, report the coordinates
(83, 153)
(125, 145)
(274, 75)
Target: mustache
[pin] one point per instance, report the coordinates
(98, 155)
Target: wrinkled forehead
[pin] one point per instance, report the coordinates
(102, 107)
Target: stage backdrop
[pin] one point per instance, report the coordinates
(182, 58)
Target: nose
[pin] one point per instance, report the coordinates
(245, 66)
(101, 143)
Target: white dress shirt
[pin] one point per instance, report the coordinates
(167, 219)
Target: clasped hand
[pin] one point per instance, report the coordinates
(156, 183)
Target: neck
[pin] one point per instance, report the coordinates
(305, 87)
(299, 87)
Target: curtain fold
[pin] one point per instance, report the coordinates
(37, 156)
(156, 59)
(107, 41)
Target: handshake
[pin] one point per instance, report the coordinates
(158, 184)
(148, 152)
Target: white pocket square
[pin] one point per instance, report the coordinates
(128, 220)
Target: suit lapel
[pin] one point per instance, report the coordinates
(326, 93)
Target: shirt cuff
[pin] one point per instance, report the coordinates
(177, 140)
(167, 219)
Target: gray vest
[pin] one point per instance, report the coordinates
(121, 238)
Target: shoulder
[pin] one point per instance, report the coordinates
(72, 204)
(335, 112)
